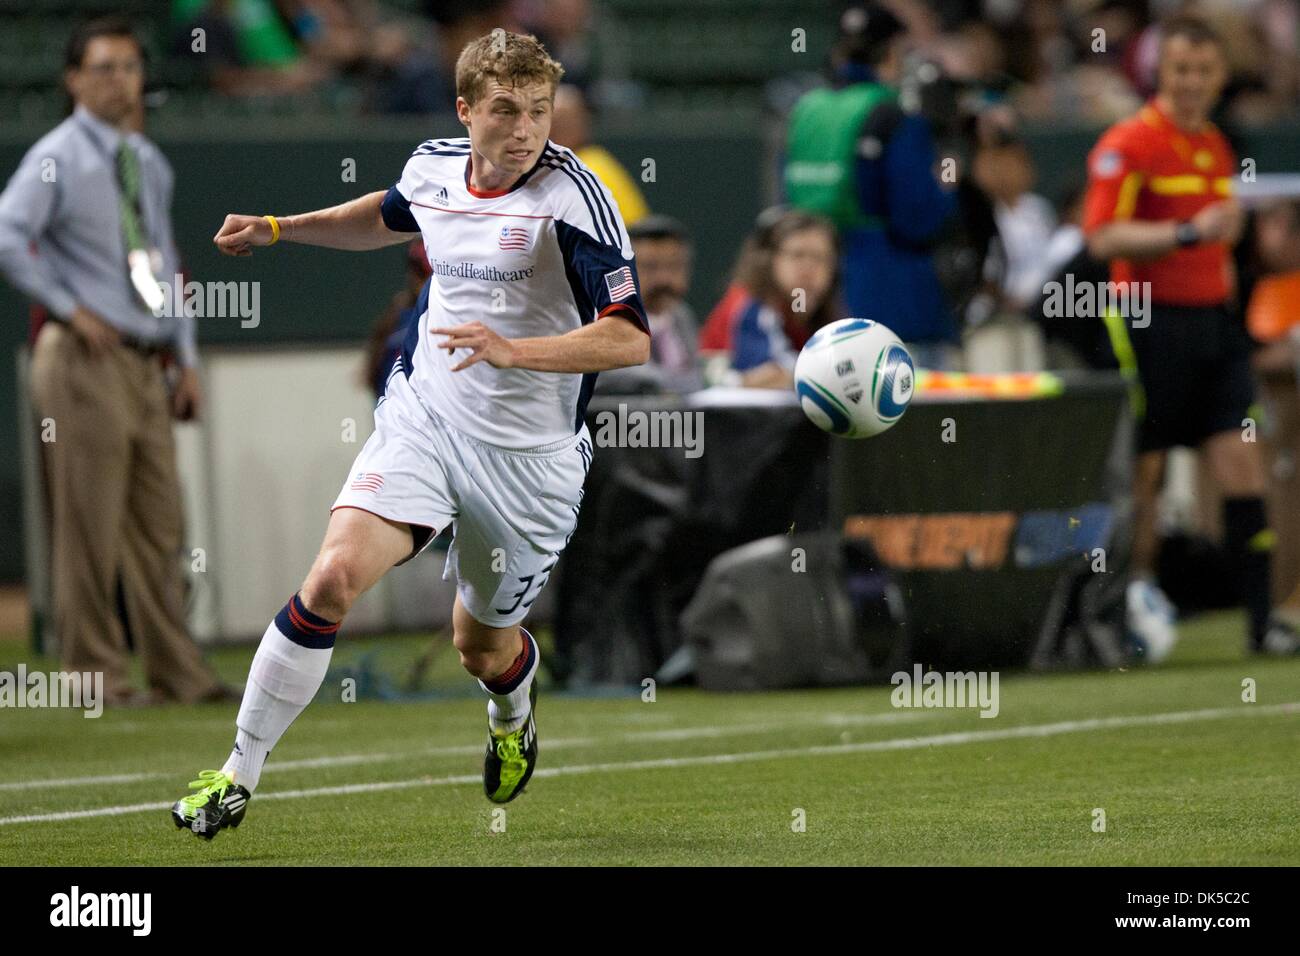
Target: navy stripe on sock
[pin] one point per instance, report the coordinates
(518, 670)
(303, 627)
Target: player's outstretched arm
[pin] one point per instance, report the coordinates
(610, 342)
(356, 225)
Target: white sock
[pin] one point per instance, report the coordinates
(507, 711)
(283, 679)
(246, 760)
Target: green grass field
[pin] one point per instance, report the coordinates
(1186, 772)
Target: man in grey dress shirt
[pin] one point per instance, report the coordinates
(85, 229)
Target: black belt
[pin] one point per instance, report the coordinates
(146, 348)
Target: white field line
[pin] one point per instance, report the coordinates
(345, 760)
(218, 723)
(897, 743)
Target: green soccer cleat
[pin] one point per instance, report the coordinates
(510, 758)
(219, 803)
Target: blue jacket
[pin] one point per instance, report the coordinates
(888, 274)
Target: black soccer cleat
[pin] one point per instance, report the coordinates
(510, 758)
(218, 803)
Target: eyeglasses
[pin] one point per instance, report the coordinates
(806, 255)
(129, 67)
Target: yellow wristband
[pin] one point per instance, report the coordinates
(275, 229)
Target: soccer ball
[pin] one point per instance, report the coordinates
(854, 378)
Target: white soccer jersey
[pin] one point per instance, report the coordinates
(543, 258)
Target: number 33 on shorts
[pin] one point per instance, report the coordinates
(505, 546)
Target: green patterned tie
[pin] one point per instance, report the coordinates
(138, 267)
(128, 179)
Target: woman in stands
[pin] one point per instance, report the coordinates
(790, 293)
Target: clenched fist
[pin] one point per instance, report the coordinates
(238, 234)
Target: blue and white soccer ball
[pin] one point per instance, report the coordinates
(854, 378)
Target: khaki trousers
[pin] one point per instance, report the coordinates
(115, 506)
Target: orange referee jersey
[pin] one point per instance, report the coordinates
(1146, 168)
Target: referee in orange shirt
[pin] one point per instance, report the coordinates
(1160, 208)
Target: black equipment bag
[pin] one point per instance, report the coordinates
(806, 610)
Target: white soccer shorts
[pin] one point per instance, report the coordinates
(511, 511)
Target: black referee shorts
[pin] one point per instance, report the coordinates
(1194, 366)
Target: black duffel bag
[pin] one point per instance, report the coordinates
(807, 610)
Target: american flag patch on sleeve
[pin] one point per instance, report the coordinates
(620, 284)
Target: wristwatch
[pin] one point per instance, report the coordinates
(1187, 234)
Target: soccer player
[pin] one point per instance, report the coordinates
(481, 425)
(1160, 207)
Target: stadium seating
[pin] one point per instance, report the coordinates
(719, 65)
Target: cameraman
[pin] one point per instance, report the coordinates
(854, 156)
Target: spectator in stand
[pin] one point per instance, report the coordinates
(388, 334)
(259, 47)
(565, 27)
(856, 156)
(715, 336)
(346, 35)
(571, 127)
(1004, 170)
(1268, 276)
(663, 252)
(425, 82)
(1268, 283)
(242, 47)
(1065, 258)
(791, 293)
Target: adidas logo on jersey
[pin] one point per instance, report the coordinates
(440, 197)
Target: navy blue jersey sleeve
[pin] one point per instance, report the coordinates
(396, 210)
(602, 280)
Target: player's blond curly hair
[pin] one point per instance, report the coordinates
(512, 59)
